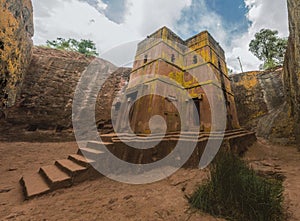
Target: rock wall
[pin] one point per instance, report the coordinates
(292, 67)
(16, 31)
(257, 94)
(47, 93)
(114, 85)
(282, 123)
(261, 104)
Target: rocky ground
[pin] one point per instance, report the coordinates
(282, 162)
(104, 199)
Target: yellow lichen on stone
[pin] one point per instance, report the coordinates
(16, 30)
(249, 80)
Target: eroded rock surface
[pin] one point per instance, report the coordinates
(16, 31)
(260, 102)
(114, 85)
(257, 94)
(278, 120)
(47, 93)
(292, 67)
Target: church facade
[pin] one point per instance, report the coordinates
(165, 68)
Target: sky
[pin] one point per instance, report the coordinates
(116, 26)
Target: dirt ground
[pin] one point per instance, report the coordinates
(282, 162)
(104, 199)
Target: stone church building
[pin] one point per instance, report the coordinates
(169, 66)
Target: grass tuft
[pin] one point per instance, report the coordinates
(236, 192)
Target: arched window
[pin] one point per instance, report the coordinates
(195, 59)
(173, 58)
(145, 59)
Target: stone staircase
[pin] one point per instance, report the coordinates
(78, 167)
(237, 141)
(63, 173)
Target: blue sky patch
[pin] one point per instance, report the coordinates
(115, 10)
(233, 12)
(197, 17)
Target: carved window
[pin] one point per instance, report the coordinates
(173, 58)
(118, 106)
(197, 114)
(145, 59)
(195, 59)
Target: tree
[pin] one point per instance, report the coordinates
(86, 47)
(269, 48)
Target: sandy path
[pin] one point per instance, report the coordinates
(104, 199)
(21, 158)
(101, 199)
(282, 160)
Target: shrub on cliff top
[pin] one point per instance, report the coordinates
(269, 48)
(236, 192)
(86, 47)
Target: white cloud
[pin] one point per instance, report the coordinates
(72, 18)
(147, 16)
(270, 14)
(102, 5)
(202, 19)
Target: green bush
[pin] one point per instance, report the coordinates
(86, 47)
(236, 192)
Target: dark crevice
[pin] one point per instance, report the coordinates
(1, 45)
(32, 128)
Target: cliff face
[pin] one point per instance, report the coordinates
(292, 67)
(49, 86)
(16, 31)
(109, 92)
(257, 94)
(261, 104)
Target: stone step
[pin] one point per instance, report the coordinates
(98, 145)
(108, 126)
(184, 135)
(89, 152)
(34, 185)
(55, 177)
(107, 137)
(71, 168)
(245, 133)
(77, 168)
(173, 137)
(81, 160)
(236, 133)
